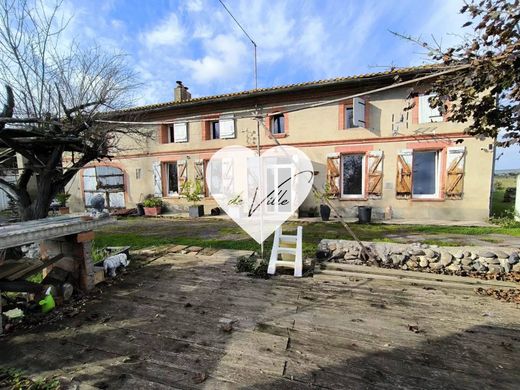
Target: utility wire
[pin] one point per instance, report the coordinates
(249, 37)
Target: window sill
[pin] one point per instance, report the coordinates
(282, 135)
(427, 199)
(356, 198)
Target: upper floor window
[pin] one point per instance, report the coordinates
(214, 129)
(278, 124)
(428, 114)
(178, 132)
(349, 118)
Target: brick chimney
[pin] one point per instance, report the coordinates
(181, 93)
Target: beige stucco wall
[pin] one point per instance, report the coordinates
(316, 131)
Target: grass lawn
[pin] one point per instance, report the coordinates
(144, 233)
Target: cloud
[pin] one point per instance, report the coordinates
(223, 61)
(167, 33)
(193, 5)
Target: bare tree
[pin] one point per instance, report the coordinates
(55, 96)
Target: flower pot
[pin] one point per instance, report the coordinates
(140, 209)
(324, 212)
(196, 211)
(152, 211)
(64, 210)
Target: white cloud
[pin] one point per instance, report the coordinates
(193, 5)
(224, 60)
(167, 33)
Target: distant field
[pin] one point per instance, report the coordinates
(498, 206)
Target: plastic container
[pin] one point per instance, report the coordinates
(364, 214)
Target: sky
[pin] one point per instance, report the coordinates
(196, 41)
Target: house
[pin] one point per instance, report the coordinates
(373, 138)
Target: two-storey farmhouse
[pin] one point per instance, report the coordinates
(373, 138)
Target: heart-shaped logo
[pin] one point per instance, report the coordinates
(259, 193)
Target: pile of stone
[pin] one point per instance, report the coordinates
(424, 257)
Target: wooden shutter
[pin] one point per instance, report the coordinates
(428, 114)
(163, 134)
(333, 173)
(182, 173)
(199, 174)
(227, 127)
(180, 132)
(358, 108)
(375, 174)
(157, 179)
(455, 172)
(403, 186)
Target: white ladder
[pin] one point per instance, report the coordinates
(287, 245)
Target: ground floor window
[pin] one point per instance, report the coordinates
(173, 178)
(425, 176)
(106, 181)
(353, 175)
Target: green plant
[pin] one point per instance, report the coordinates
(62, 198)
(192, 191)
(152, 202)
(506, 219)
(499, 185)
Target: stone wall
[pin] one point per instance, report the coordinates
(426, 258)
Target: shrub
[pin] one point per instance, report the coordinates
(253, 265)
(62, 198)
(192, 191)
(153, 202)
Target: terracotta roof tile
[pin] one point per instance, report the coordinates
(284, 87)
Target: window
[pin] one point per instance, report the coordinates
(278, 124)
(178, 132)
(353, 175)
(426, 113)
(349, 118)
(425, 174)
(173, 178)
(214, 127)
(106, 181)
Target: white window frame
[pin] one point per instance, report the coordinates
(171, 131)
(437, 176)
(168, 166)
(363, 176)
(426, 110)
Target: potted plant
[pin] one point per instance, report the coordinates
(152, 206)
(235, 206)
(193, 191)
(322, 197)
(62, 199)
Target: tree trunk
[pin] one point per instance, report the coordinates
(38, 207)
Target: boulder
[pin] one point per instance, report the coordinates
(454, 267)
(466, 262)
(436, 266)
(332, 246)
(397, 258)
(430, 253)
(423, 262)
(494, 269)
(489, 260)
(458, 255)
(501, 254)
(416, 252)
(513, 258)
(486, 254)
(479, 267)
(474, 256)
(446, 258)
(506, 267)
(467, 254)
(516, 267)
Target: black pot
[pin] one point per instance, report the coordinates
(140, 209)
(364, 214)
(324, 212)
(196, 211)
